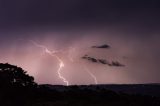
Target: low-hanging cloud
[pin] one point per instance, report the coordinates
(105, 46)
(103, 61)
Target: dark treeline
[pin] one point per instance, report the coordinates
(17, 88)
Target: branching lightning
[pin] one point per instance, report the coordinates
(53, 54)
(71, 50)
(91, 74)
(61, 63)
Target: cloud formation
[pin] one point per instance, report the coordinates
(105, 46)
(103, 61)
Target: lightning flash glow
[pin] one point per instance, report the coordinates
(53, 54)
(61, 63)
(91, 74)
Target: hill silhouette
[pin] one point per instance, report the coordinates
(17, 88)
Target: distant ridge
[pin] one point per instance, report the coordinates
(152, 89)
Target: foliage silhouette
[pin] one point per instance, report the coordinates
(11, 75)
(16, 86)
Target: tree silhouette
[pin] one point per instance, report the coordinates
(16, 86)
(11, 75)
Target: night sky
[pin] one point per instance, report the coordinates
(40, 35)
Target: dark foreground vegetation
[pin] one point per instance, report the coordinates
(19, 89)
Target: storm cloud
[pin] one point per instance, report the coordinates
(130, 27)
(103, 61)
(105, 46)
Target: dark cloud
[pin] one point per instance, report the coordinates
(103, 61)
(130, 27)
(116, 63)
(90, 58)
(102, 46)
(62, 12)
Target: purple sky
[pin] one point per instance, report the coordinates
(71, 28)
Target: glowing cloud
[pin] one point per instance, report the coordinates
(53, 54)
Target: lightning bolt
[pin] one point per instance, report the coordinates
(53, 54)
(91, 74)
(71, 50)
(61, 63)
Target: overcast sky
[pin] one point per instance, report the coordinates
(72, 27)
